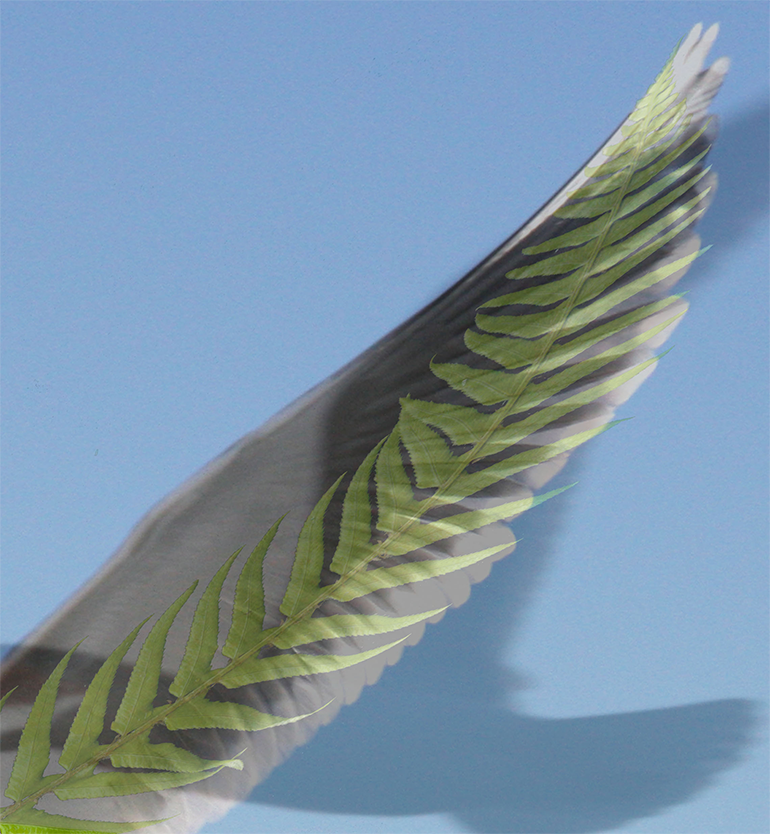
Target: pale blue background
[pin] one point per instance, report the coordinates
(210, 207)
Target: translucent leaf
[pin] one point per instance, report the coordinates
(291, 665)
(308, 560)
(34, 750)
(249, 604)
(143, 684)
(203, 642)
(82, 741)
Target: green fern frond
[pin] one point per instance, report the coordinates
(566, 336)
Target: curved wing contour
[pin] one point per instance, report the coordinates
(395, 480)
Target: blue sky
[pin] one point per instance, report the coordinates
(208, 208)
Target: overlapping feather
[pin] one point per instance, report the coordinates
(561, 327)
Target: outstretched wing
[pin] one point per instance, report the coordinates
(481, 396)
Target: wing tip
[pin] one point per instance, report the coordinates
(693, 50)
(697, 39)
(692, 80)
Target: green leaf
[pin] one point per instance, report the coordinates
(433, 460)
(282, 666)
(36, 821)
(415, 537)
(378, 579)
(200, 714)
(308, 561)
(143, 684)
(138, 752)
(249, 604)
(33, 754)
(12, 828)
(356, 527)
(82, 741)
(115, 783)
(203, 641)
(462, 425)
(395, 493)
(335, 626)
